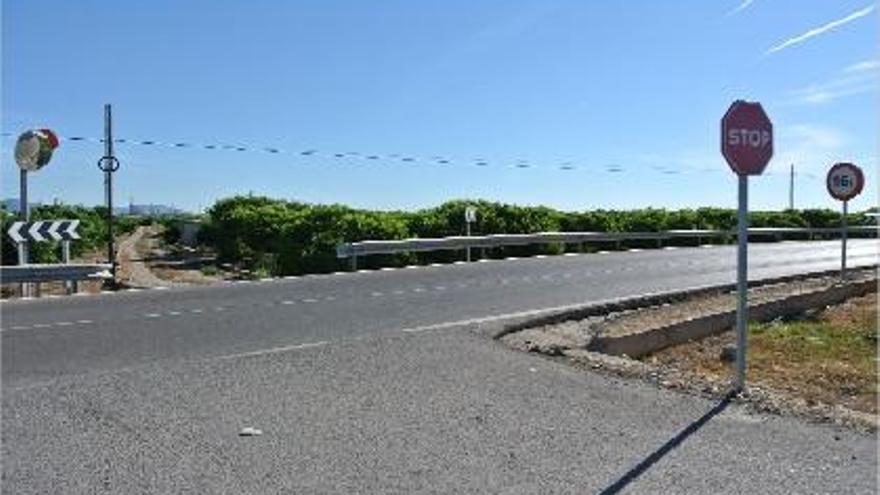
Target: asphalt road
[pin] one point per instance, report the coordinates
(44, 339)
(359, 387)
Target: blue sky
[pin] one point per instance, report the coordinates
(628, 94)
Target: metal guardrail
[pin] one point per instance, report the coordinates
(51, 273)
(353, 250)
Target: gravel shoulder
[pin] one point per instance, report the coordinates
(822, 390)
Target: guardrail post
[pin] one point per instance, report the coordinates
(70, 286)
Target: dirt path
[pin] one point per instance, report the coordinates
(133, 270)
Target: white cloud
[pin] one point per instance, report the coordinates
(863, 77)
(865, 66)
(809, 147)
(821, 29)
(742, 6)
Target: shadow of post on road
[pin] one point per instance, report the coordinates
(674, 442)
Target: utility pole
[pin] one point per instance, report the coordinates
(109, 164)
(791, 187)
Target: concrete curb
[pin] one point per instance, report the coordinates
(499, 327)
(638, 344)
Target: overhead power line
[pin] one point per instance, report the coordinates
(567, 165)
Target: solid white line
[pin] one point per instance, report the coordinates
(274, 350)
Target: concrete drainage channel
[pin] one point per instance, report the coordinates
(613, 335)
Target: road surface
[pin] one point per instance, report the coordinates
(145, 392)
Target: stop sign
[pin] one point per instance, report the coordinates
(746, 138)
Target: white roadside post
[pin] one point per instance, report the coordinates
(470, 216)
(844, 182)
(747, 145)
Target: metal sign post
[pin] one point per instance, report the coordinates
(24, 213)
(33, 150)
(747, 145)
(844, 182)
(742, 280)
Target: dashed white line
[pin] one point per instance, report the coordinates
(439, 287)
(309, 300)
(85, 322)
(42, 325)
(174, 313)
(63, 323)
(196, 310)
(287, 303)
(152, 315)
(397, 292)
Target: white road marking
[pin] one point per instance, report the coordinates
(387, 269)
(670, 248)
(174, 313)
(219, 308)
(571, 254)
(287, 303)
(635, 250)
(274, 350)
(397, 292)
(196, 310)
(64, 324)
(377, 294)
(19, 327)
(329, 298)
(85, 322)
(418, 289)
(162, 287)
(439, 287)
(309, 300)
(41, 325)
(152, 315)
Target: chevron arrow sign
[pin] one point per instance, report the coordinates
(44, 230)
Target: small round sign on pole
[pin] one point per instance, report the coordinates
(470, 216)
(844, 182)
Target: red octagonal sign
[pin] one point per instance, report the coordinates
(746, 138)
